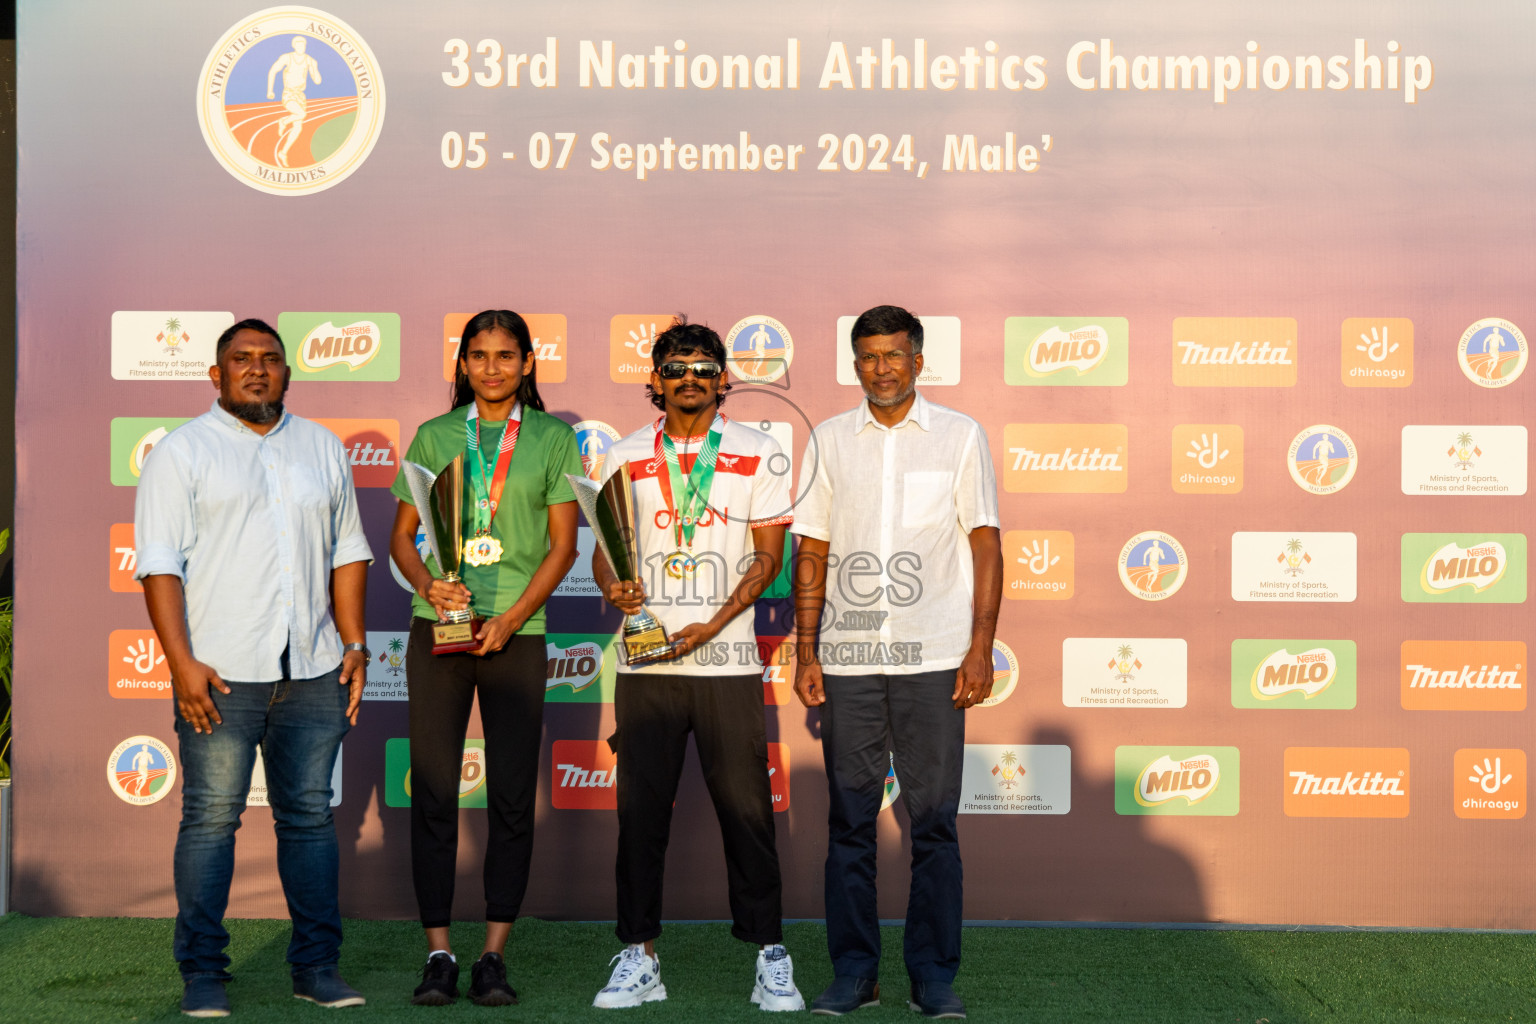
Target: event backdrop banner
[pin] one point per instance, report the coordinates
(1241, 294)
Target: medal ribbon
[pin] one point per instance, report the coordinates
(701, 479)
(488, 495)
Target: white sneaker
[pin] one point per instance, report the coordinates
(775, 988)
(636, 980)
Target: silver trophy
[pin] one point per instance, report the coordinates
(439, 501)
(610, 511)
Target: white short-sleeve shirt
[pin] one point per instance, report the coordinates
(896, 506)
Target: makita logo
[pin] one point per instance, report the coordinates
(574, 776)
(1068, 460)
(1262, 353)
(1479, 567)
(1193, 778)
(1348, 784)
(354, 345)
(1310, 673)
(1484, 677)
(366, 453)
(1080, 349)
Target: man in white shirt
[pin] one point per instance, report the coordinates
(711, 500)
(247, 531)
(897, 579)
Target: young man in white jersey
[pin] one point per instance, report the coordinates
(712, 501)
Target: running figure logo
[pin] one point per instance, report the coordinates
(291, 101)
(1322, 459)
(1152, 566)
(141, 770)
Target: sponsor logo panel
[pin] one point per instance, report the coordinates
(1202, 781)
(1066, 458)
(386, 676)
(941, 350)
(593, 439)
(166, 344)
(1346, 782)
(1315, 675)
(892, 788)
(1234, 352)
(1489, 783)
(1294, 567)
(1124, 672)
(759, 349)
(546, 330)
(141, 770)
(122, 560)
(136, 665)
(581, 668)
(580, 582)
(342, 346)
(397, 773)
(1038, 565)
(1005, 674)
(584, 776)
(257, 795)
(778, 669)
(1071, 351)
(133, 437)
(630, 337)
(372, 446)
(1207, 458)
(778, 775)
(1492, 353)
(1483, 460)
(1463, 675)
(1460, 568)
(290, 101)
(1153, 566)
(1376, 352)
(1322, 459)
(1016, 778)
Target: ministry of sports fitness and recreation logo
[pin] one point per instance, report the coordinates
(759, 349)
(1144, 672)
(141, 770)
(1153, 566)
(290, 100)
(1322, 459)
(1492, 353)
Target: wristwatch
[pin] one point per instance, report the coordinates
(367, 654)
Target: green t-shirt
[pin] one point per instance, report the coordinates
(546, 451)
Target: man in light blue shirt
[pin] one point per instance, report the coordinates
(247, 533)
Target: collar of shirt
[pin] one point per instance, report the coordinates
(516, 414)
(917, 413)
(230, 421)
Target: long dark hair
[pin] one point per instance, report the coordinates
(490, 320)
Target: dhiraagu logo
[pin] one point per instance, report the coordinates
(1310, 674)
(1071, 351)
(133, 437)
(581, 668)
(1458, 568)
(1176, 780)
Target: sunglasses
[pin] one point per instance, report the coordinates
(676, 371)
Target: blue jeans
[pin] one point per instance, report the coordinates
(298, 724)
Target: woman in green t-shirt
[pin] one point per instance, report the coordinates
(519, 525)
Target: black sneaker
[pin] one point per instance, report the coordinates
(488, 982)
(439, 982)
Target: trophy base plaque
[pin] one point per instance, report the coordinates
(645, 640)
(456, 637)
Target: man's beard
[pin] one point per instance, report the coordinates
(896, 399)
(259, 413)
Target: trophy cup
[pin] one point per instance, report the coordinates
(439, 501)
(610, 511)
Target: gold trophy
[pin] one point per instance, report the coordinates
(439, 502)
(610, 511)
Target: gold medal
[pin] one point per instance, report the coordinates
(680, 565)
(482, 550)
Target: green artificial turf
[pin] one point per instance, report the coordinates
(88, 970)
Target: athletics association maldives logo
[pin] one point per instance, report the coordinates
(1005, 674)
(1322, 459)
(141, 770)
(759, 349)
(1153, 566)
(1492, 353)
(593, 439)
(290, 101)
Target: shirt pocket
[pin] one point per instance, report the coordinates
(306, 487)
(927, 499)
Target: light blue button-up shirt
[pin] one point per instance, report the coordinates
(253, 524)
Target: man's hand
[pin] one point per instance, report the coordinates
(447, 597)
(495, 633)
(973, 681)
(354, 676)
(689, 638)
(191, 681)
(628, 596)
(808, 683)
